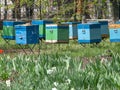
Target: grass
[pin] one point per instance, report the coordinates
(62, 72)
(70, 66)
(72, 49)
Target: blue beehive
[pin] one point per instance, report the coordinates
(114, 34)
(41, 24)
(104, 27)
(8, 29)
(73, 32)
(117, 22)
(27, 34)
(89, 33)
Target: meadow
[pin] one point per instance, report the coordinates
(70, 66)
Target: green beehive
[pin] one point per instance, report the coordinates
(57, 33)
(8, 29)
(41, 24)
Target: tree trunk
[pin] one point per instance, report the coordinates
(17, 9)
(5, 13)
(115, 4)
(79, 8)
(58, 7)
(40, 10)
(109, 9)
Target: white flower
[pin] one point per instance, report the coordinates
(54, 88)
(49, 71)
(68, 81)
(8, 83)
(52, 70)
(72, 89)
(67, 61)
(55, 83)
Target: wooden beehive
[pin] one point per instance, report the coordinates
(27, 34)
(73, 32)
(57, 33)
(114, 30)
(8, 29)
(89, 33)
(41, 24)
(104, 28)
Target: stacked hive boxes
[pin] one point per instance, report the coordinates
(114, 32)
(89, 33)
(41, 24)
(8, 29)
(57, 33)
(27, 34)
(73, 32)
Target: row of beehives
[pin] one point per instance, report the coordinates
(91, 32)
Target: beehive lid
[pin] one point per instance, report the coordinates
(71, 22)
(103, 22)
(11, 23)
(114, 26)
(89, 25)
(39, 22)
(24, 26)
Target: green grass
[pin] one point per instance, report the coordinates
(40, 73)
(70, 66)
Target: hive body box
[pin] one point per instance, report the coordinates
(118, 22)
(73, 32)
(41, 24)
(57, 33)
(27, 34)
(104, 27)
(89, 33)
(8, 29)
(114, 34)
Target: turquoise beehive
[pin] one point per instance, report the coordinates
(114, 33)
(89, 33)
(27, 34)
(104, 27)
